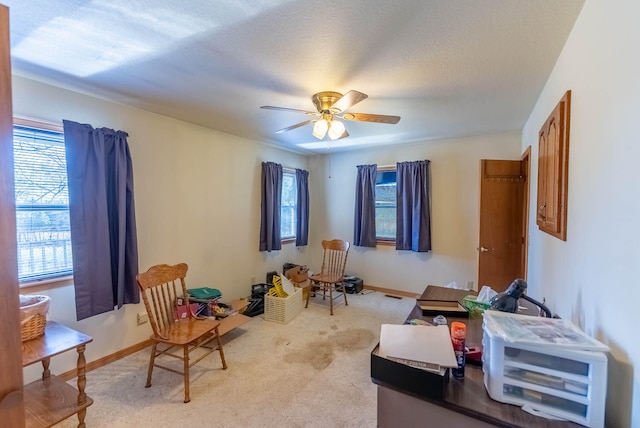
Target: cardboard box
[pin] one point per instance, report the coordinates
(297, 274)
(404, 377)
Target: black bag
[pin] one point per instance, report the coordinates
(255, 307)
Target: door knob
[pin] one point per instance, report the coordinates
(484, 250)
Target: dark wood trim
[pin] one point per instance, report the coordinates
(526, 171)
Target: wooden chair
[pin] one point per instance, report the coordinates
(330, 278)
(162, 286)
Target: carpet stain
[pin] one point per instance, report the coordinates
(320, 353)
(353, 338)
(280, 341)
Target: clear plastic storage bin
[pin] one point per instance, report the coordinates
(567, 383)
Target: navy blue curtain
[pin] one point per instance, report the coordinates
(271, 200)
(103, 220)
(364, 228)
(413, 217)
(302, 207)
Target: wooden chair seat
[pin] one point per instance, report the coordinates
(333, 278)
(187, 330)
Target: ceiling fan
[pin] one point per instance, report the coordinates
(332, 106)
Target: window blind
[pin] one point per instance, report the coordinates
(42, 204)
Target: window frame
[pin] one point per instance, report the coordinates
(292, 172)
(387, 241)
(54, 279)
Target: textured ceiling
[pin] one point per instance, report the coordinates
(448, 68)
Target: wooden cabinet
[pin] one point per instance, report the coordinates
(50, 400)
(553, 168)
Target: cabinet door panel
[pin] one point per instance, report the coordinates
(542, 176)
(552, 173)
(553, 145)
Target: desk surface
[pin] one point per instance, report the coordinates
(469, 396)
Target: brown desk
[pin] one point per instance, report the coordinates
(466, 402)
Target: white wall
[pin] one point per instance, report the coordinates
(592, 278)
(455, 175)
(197, 196)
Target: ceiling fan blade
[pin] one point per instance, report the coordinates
(365, 117)
(349, 99)
(297, 125)
(345, 134)
(315, 113)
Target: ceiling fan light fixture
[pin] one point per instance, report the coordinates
(336, 129)
(330, 106)
(320, 129)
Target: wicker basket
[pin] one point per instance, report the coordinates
(283, 309)
(33, 315)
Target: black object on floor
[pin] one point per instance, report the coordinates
(256, 302)
(270, 276)
(352, 284)
(259, 290)
(255, 307)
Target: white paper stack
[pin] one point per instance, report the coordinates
(425, 347)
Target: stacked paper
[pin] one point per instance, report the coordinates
(426, 347)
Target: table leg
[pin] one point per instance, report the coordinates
(46, 373)
(82, 383)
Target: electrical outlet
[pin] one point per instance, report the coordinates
(142, 318)
(469, 285)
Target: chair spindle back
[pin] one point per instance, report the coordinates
(161, 286)
(334, 259)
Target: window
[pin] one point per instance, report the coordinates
(42, 203)
(386, 203)
(288, 205)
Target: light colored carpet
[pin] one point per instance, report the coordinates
(312, 372)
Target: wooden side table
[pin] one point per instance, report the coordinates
(50, 400)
